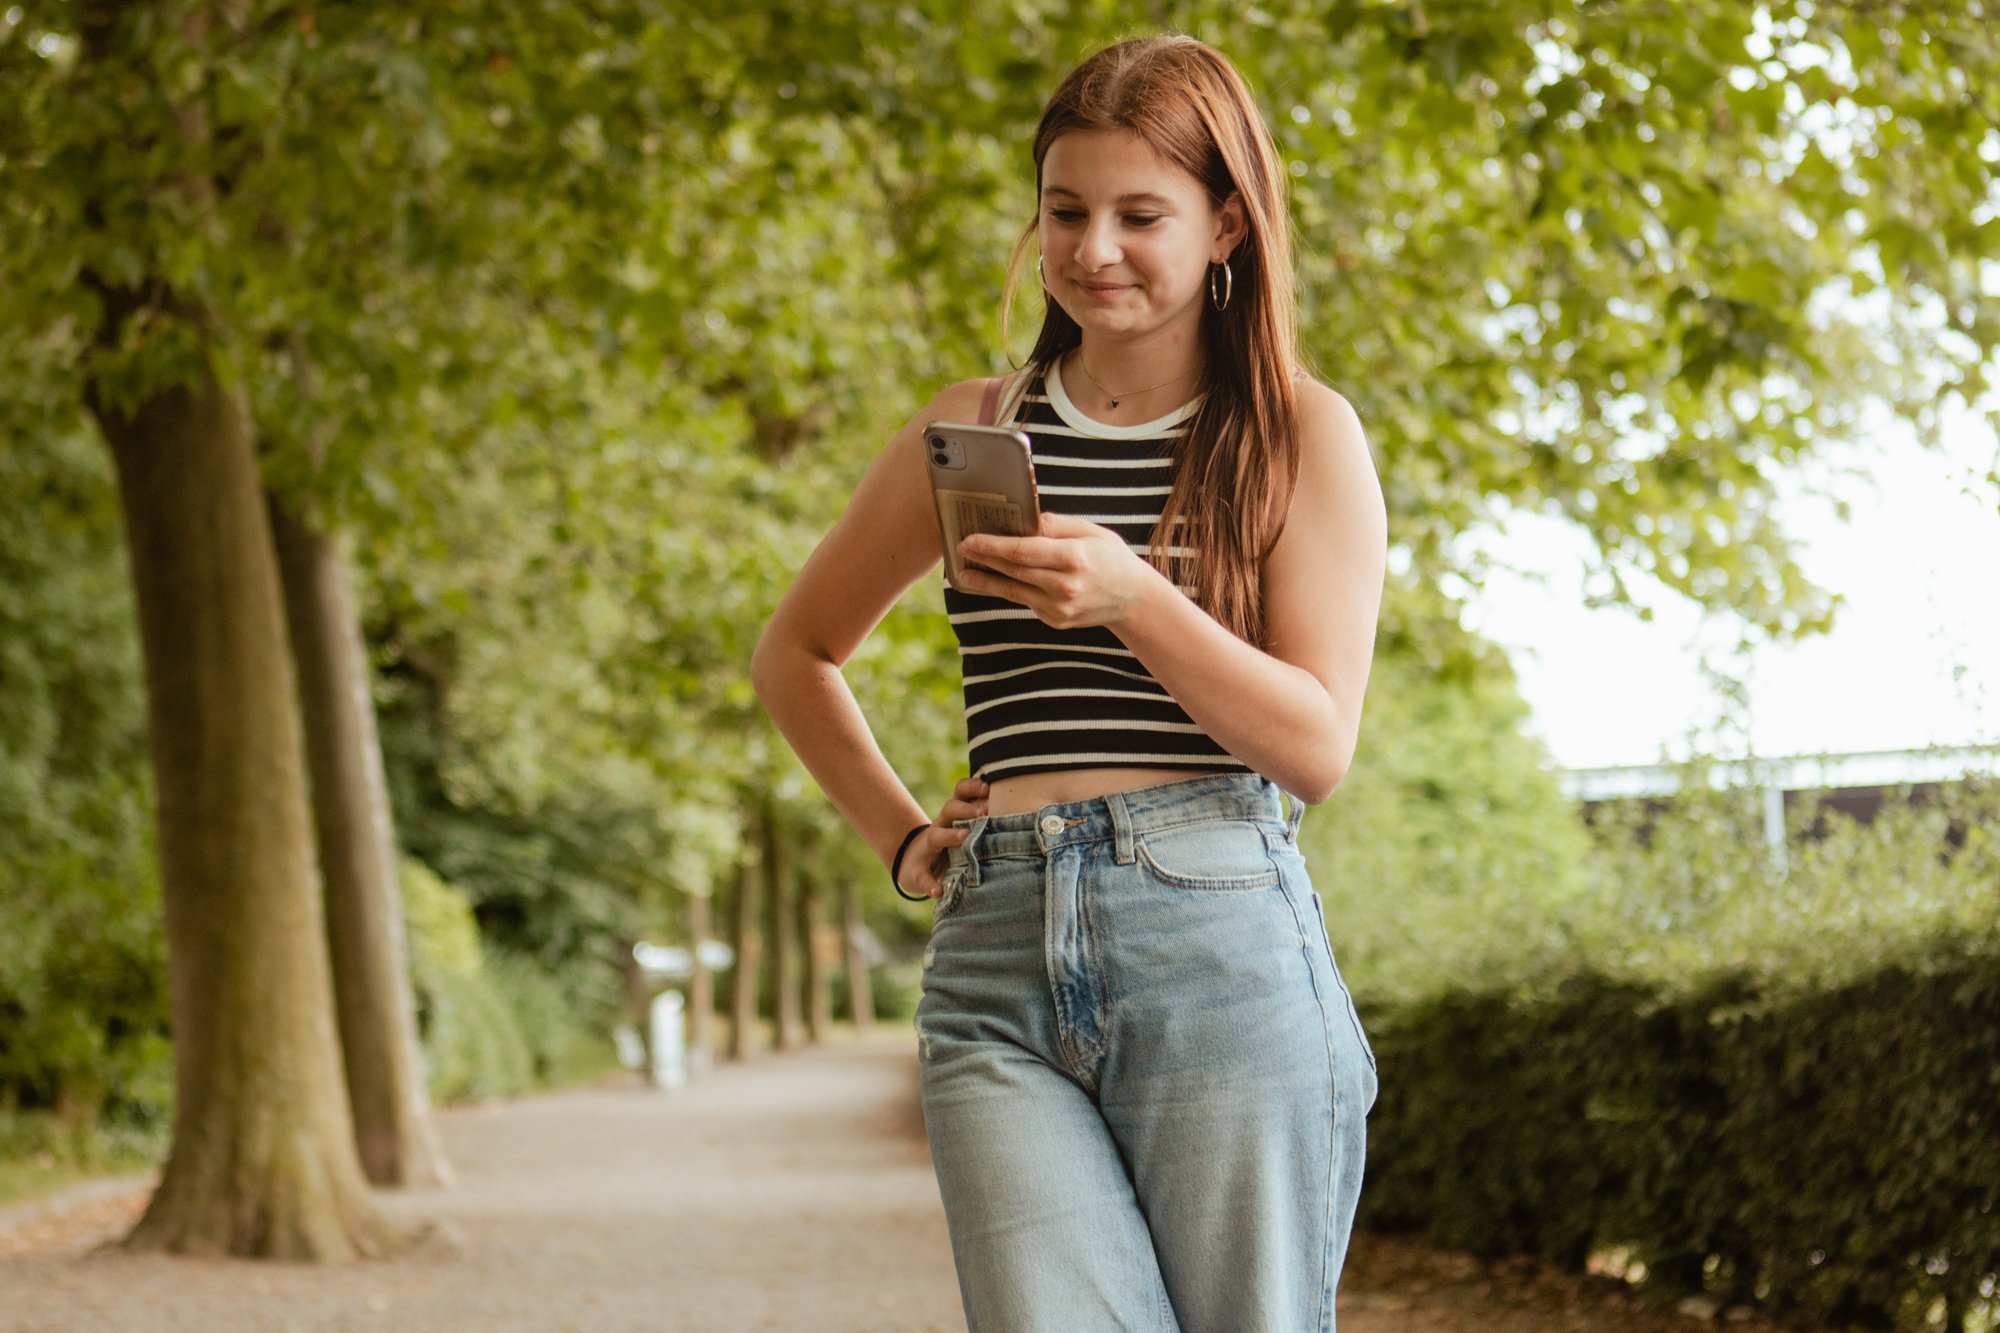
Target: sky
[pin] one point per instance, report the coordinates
(1913, 658)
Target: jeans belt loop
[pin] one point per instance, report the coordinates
(1121, 827)
(971, 847)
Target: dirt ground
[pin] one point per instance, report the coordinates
(792, 1192)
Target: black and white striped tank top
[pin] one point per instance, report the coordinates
(1038, 698)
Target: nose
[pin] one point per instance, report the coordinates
(1097, 250)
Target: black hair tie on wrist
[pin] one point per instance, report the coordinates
(896, 866)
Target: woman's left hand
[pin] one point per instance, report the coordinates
(1075, 573)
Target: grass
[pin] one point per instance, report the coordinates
(38, 1155)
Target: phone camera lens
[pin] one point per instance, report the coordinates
(941, 457)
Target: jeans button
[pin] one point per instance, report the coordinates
(1051, 825)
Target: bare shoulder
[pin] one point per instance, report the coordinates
(1326, 414)
(1337, 470)
(960, 401)
(883, 542)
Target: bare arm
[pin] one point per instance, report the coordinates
(883, 542)
(1293, 713)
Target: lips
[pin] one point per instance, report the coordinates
(1104, 287)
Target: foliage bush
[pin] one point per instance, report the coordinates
(1449, 849)
(443, 936)
(493, 1022)
(473, 1044)
(895, 987)
(83, 997)
(1766, 1078)
(40, 1150)
(565, 1028)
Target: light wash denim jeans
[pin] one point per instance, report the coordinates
(1145, 1083)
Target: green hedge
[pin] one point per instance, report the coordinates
(83, 994)
(494, 1023)
(1835, 1151)
(554, 1015)
(1766, 1082)
(473, 1045)
(894, 988)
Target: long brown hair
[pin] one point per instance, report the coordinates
(1239, 454)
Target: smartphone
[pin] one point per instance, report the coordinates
(982, 480)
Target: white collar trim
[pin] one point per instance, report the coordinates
(1074, 418)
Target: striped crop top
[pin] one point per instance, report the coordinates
(1037, 698)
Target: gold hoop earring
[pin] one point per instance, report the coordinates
(1038, 275)
(1228, 284)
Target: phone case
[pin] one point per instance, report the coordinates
(993, 492)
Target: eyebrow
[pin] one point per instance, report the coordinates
(1123, 198)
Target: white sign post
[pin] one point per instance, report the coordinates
(669, 1040)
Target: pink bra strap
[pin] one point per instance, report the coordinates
(992, 398)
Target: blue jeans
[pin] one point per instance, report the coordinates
(1144, 1081)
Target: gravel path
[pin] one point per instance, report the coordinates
(794, 1192)
(791, 1192)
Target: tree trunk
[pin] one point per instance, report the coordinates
(860, 995)
(701, 991)
(780, 928)
(638, 1004)
(357, 851)
(813, 931)
(263, 1159)
(743, 940)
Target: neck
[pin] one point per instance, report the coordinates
(1151, 374)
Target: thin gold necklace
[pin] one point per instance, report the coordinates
(1115, 397)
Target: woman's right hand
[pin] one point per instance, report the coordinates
(929, 853)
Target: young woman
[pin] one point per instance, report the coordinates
(1145, 1084)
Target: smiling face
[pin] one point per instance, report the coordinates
(1126, 236)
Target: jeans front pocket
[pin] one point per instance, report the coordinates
(1226, 854)
(959, 858)
(951, 888)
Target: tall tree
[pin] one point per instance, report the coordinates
(263, 1159)
(813, 940)
(860, 995)
(701, 989)
(746, 944)
(781, 927)
(190, 198)
(357, 853)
